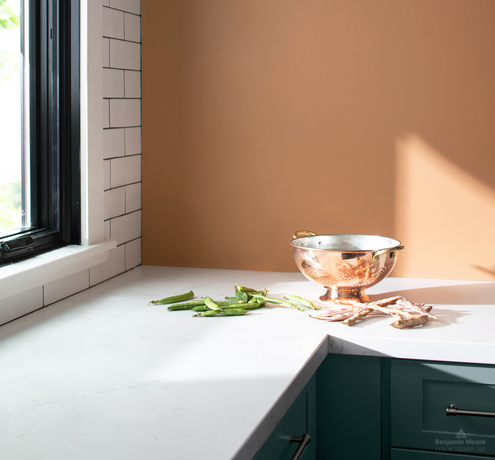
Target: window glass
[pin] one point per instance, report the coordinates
(13, 214)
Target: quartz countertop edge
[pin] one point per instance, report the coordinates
(104, 375)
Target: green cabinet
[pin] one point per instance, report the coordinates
(349, 401)
(421, 393)
(299, 420)
(340, 408)
(374, 408)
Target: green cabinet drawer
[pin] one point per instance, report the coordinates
(299, 419)
(422, 391)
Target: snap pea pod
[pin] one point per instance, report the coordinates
(259, 301)
(233, 300)
(283, 303)
(186, 305)
(244, 288)
(210, 304)
(235, 312)
(192, 304)
(208, 313)
(173, 299)
(228, 312)
(242, 296)
(301, 301)
(246, 306)
(250, 291)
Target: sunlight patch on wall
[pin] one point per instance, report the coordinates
(444, 216)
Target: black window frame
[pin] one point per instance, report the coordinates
(54, 128)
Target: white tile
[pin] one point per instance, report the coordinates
(132, 141)
(132, 6)
(21, 304)
(106, 174)
(106, 230)
(132, 27)
(125, 112)
(113, 143)
(133, 197)
(125, 171)
(132, 83)
(113, 267)
(65, 287)
(106, 3)
(125, 55)
(113, 83)
(114, 202)
(126, 228)
(113, 23)
(133, 254)
(106, 113)
(106, 52)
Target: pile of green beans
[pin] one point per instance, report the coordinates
(245, 299)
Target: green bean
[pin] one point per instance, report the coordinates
(173, 299)
(201, 308)
(301, 301)
(210, 304)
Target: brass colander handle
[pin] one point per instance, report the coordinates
(377, 254)
(302, 233)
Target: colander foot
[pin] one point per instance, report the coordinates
(342, 295)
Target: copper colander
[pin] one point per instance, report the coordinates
(344, 264)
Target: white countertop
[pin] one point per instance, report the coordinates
(102, 375)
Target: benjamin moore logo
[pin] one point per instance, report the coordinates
(461, 443)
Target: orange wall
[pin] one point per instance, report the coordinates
(261, 117)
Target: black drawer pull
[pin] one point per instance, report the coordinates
(452, 410)
(305, 439)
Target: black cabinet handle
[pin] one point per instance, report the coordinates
(304, 440)
(452, 410)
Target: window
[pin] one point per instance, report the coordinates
(39, 127)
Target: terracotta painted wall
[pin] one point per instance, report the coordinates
(261, 117)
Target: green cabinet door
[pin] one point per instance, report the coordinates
(300, 419)
(420, 395)
(349, 408)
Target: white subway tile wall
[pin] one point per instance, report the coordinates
(113, 143)
(132, 141)
(57, 290)
(121, 136)
(21, 304)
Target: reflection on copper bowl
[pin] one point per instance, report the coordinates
(344, 264)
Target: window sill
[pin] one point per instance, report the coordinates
(52, 266)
